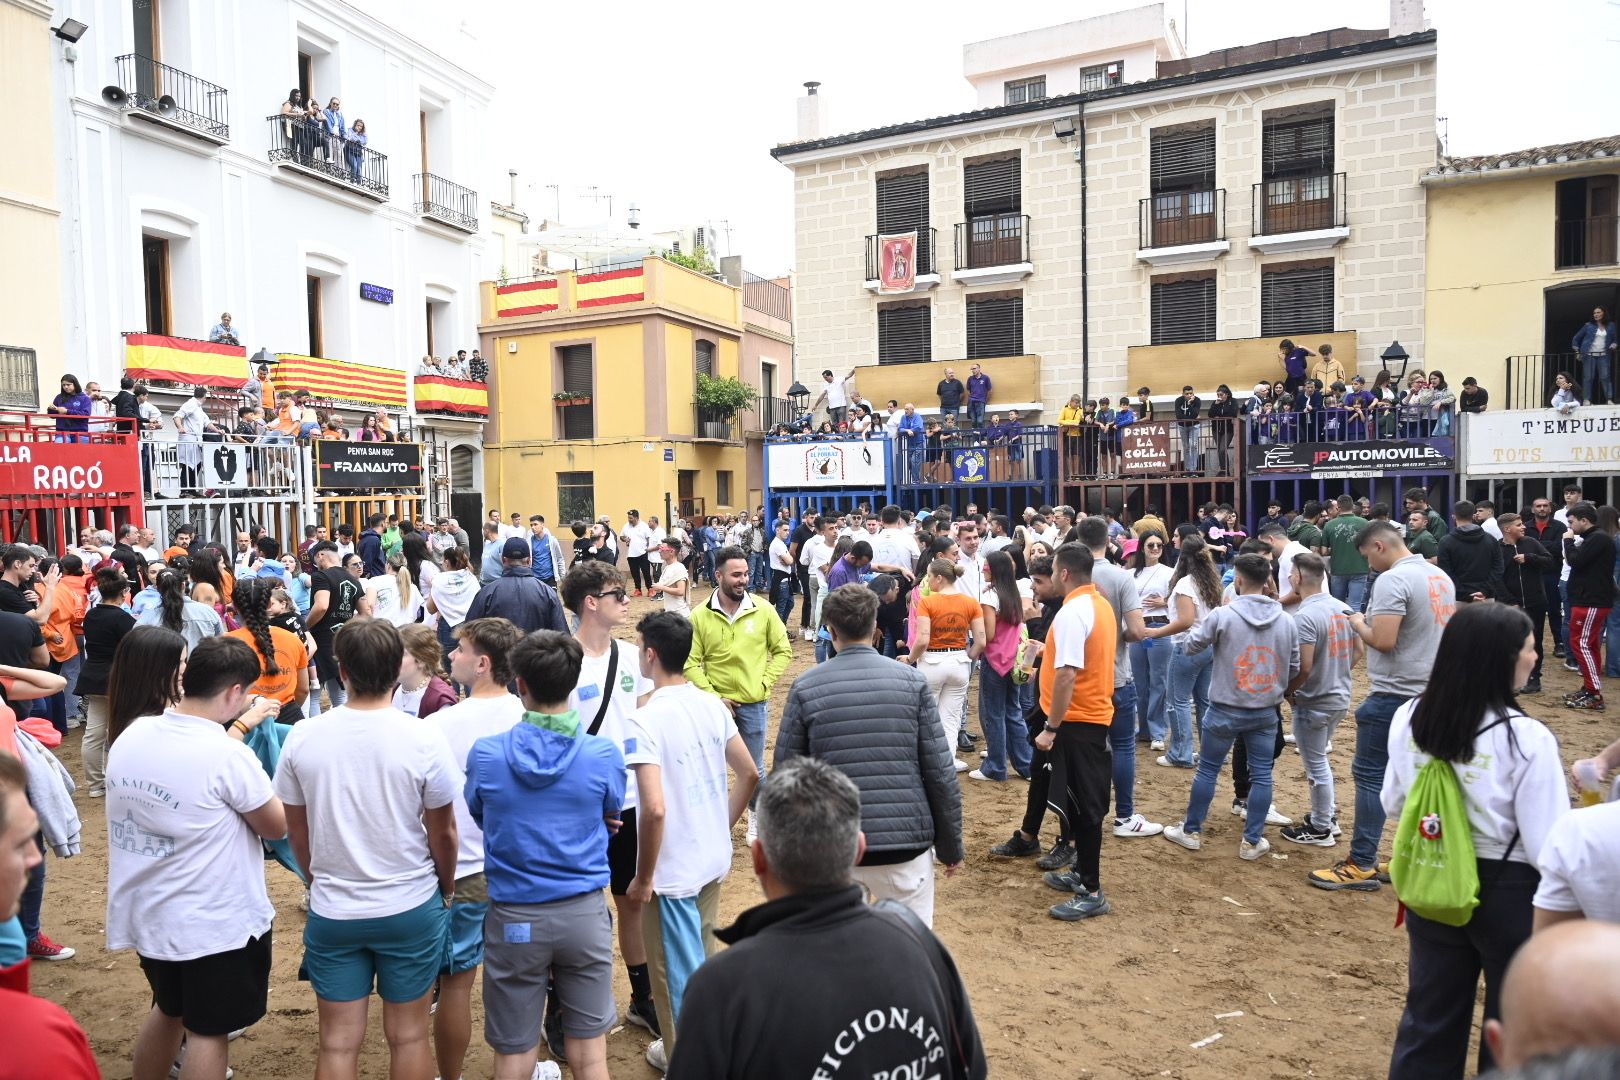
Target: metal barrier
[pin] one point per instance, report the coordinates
(1339, 424)
(174, 94)
(1206, 448)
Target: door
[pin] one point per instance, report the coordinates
(148, 46)
(1601, 220)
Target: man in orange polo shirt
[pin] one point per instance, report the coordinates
(1077, 695)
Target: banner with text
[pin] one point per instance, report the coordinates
(1541, 442)
(49, 468)
(851, 463)
(367, 464)
(1144, 449)
(1328, 461)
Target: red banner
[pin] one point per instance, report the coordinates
(52, 468)
(897, 263)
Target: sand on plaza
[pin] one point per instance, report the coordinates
(1294, 980)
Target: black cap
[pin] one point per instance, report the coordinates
(516, 549)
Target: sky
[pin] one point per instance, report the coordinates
(674, 107)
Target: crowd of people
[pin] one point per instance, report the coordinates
(458, 366)
(456, 762)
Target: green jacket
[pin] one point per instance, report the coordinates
(1303, 531)
(738, 659)
(1423, 543)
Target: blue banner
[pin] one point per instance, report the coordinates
(971, 466)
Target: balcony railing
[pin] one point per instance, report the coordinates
(767, 297)
(1299, 204)
(925, 254)
(768, 412)
(344, 162)
(445, 201)
(1590, 241)
(175, 95)
(715, 425)
(1335, 423)
(1178, 218)
(1157, 448)
(1532, 379)
(992, 240)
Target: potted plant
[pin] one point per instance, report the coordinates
(719, 399)
(572, 397)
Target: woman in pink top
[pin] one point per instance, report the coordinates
(1004, 734)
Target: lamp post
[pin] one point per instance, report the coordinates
(798, 395)
(1395, 354)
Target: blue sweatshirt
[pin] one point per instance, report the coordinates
(541, 795)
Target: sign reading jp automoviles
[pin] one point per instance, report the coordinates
(1541, 442)
(1336, 460)
(367, 464)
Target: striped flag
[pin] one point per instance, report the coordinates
(435, 393)
(609, 287)
(526, 298)
(184, 360)
(340, 380)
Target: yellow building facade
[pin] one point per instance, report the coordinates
(1522, 247)
(593, 376)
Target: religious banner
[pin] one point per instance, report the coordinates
(1144, 449)
(897, 263)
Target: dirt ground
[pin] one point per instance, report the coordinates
(1290, 981)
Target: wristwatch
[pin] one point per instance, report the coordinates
(1050, 728)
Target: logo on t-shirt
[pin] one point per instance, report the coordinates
(626, 682)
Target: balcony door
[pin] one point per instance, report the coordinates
(148, 41)
(1297, 170)
(992, 204)
(1182, 173)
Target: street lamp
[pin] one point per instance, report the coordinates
(1395, 354)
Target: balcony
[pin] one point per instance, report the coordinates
(993, 250)
(464, 399)
(1299, 213)
(446, 202)
(714, 426)
(927, 270)
(1176, 227)
(166, 95)
(1589, 241)
(304, 147)
(767, 413)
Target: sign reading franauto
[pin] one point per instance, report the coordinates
(1540, 442)
(367, 464)
(1332, 460)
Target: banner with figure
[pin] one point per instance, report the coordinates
(897, 263)
(970, 466)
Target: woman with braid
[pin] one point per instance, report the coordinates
(174, 611)
(283, 660)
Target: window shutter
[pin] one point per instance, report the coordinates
(578, 421)
(995, 327)
(902, 205)
(19, 386)
(1296, 300)
(1297, 146)
(904, 334)
(991, 187)
(1183, 310)
(704, 357)
(1183, 159)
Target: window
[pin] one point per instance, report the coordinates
(991, 201)
(995, 326)
(1296, 298)
(306, 73)
(1183, 309)
(313, 302)
(1102, 76)
(1182, 175)
(1022, 90)
(904, 333)
(902, 205)
(147, 42)
(155, 271)
(722, 487)
(431, 350)
(703, 358)
(767, 380)
(576, 368)
(576, 497)
(19, 378)
(1296, 161)
(1588, 225)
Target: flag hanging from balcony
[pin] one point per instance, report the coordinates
(897, 262)
(526, 298)
(435, 393)
(184, 360)
(609, 287)
(340, 380)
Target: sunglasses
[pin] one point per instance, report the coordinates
(618, 594)
(1153, 547)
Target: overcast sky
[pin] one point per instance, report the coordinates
(676, 112)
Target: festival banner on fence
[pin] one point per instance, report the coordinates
(340, 380)
(625, 286)
(526, 298)
(340, 464)
(970, 466)
(184, 360)
(1349, 460)
(852, 462)
(435, 393)
(1144, 449)
(897, 263)
(52, 468)
(1541, 442)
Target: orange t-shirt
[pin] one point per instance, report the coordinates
(291, 657)
(950, 616)
(66, 615)
(267, 395)
(286, 420)
(1083, 636)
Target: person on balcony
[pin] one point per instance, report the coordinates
(314, 132)
(1327, 370)
(1012, 432)
(1473, 397)
(337, 126)
(1293, 359)
(1442, 402)
(1106, 421)
(478, 367)
(1358, 404)
(352, 147)
(1069, 425)
(456, 368)
(836, 395)
(1565, 398)
(1223, 411)
(910, 434)
(223, 332)
(1144, 404)
(1188, 409)
(72, 409)
(1310, 404)
(950, 391)
(1596, 344)
(978, 387)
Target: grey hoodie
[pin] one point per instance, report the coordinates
(1256, 652)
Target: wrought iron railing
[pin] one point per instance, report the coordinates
(346, 162)
(19, 378)
(1175, 218)
(715, 423)
(992, 240)
(925, 253)
(446, 201)
(770, 411)
(174, 95)
(1299, 204)
(1533, 378)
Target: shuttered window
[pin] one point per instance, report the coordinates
(902, 205)
(1296, 300)
(991, 187)
(904, 333)
(577, 365)
(19, 377)
(1022, 90)
(704, 358)
(1183, 309)
(1183, 159)
(1297, 146)
(995, 327)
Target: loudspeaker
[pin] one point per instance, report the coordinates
(114, 96)
(165, 105)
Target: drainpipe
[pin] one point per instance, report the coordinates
(1085, 265)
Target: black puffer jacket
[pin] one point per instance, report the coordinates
(1472, 558)
(875, 719)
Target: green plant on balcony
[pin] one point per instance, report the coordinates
(572, 397)
(723, 397)
(698, 260)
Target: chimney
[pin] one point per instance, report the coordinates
(1405, 17)
(635, 216)
(731, 269)
(511, 176)
(811, 114)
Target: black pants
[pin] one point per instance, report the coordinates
(1444, 969)
(1082, 770)
(1240, 761)
(1538, 617)
(1040, 781)
(640, 573)
(801, 574)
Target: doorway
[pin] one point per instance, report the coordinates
(1568, 308)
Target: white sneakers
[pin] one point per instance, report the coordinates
(961, 766)
(1136, 825)
(1273, 815)
(546, 1070)
(1250, 852)
(753, 829)
(1156, 744)
(1176, 834)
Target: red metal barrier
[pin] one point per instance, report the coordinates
(51, 488)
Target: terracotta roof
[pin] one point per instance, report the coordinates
(1557, 154)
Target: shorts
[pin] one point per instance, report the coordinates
(467, 925)
(622, 854)
(401, 953)
(567, 944)
(214, 994)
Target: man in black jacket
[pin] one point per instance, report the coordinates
(877, 721)
(1471, 557)
(1590, 555)
(816, 982)
(1188, 408)
(1547, 530)
(517, 595)
(1524, 562)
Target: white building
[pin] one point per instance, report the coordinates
(185, 194)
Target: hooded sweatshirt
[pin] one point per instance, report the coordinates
(1472, 558)
(541, 792)
(1256, 652)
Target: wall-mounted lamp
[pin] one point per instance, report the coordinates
(71, 30)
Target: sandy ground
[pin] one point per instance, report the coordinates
(1294, 981)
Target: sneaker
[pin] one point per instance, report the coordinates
(41, 947)
(1059, 858)
(303, 901)
(1156, 744)
(1082, 905)
(1136, 825)
(1277, 817)
(964, 741)
(1571, 665)
(656, 1056)
(1307, 833)
(98, 793)
(1333, 827)
(1558, 650)
(546, 1070)
(180, 1060)
(1288, 738)
(961, 766)
(978, 774)
(1063, 881)
(1177, 834)
(753, 829)
(1532, 687)
(1586, 702)
(553, 1031)
(644, 1013)
(1167, 763)
(1240, 809)
(1249, 852)
(1016, 847)
(1383, 872)
(1345, 875)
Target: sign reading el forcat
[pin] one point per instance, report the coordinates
(367, 464)
(1540, 442)
(851, 463)
(50, 468)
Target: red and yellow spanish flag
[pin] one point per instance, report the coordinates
(609, 287)
(340, 380)
(526, 298)
(184, 360)
(435, 393)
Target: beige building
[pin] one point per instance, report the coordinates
(1163, 223)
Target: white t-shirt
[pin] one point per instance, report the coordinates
(384, 593)
(453, 593)
(684, 730)
(994, 543)
(1072, 625)
(629, 684)
(974, 579)
(463, 724)
(816, 552)
(1580, 864)
(895, 547)
(364, 778)
(185, 872)
(1490, 526)
(638, 535)
(781, 557)
(1186, 587)
(1285, 563)
(837, 396)
(1154, 581)
(672, 573)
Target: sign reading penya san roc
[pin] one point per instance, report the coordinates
(367, 464)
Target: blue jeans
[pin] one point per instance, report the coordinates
(782, 595)
(751, 720)
(1351, 589)
(1595, 370)
(1189, 682)
(1611, 630)
(1122, 742)
(976, 413)
(914, 462)
(758, 572)
(1005, 736)
(1442, 423)
(952, 411)
(33, 899)
(1150, 668)
(70, 672)
(1372, 758)
(1223, 727)
(335, 692)
(1188, 434)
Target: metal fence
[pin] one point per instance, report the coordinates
(446, 201)
(1531, 378)
(992, 240)
(927, 241)
(1299, 204)
(767, 297)
(1153, 448)
(311, 147)
(1175, 218)
(174, 95)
